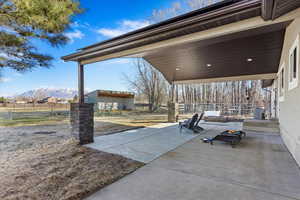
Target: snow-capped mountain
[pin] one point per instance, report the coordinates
(49, 92)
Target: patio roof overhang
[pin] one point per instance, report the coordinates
(230, 40)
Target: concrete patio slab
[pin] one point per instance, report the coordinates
(144, 144)
(259, 168)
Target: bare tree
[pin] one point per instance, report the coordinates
(196, 4)
(180, 7)
(162, 14)
(149, 82)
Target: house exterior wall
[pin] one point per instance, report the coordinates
(289, 103)
(109, 103)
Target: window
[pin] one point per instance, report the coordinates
(281, 84)
(294, 65)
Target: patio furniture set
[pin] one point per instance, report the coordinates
(232, 137)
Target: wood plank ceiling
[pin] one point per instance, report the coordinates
(282, 7)
(255, 51)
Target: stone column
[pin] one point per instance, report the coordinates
(173, 112)
(82, 122)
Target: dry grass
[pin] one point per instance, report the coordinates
(52, 167)
(33, 121)
(138, 119)
(63, 171)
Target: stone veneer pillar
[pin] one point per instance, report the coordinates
(173, 112)
(82, 122)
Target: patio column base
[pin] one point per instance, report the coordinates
(173, 112)
(82, 122)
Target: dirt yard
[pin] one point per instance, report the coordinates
(24, 137)
(43, 162)
(62, 171)
(13, 138)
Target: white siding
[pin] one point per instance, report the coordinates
(289, 109)
(109, 103)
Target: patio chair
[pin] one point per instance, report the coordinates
(229, 136)
(192, 124)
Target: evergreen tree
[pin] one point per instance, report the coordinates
(21, 21)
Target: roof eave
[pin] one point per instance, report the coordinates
(240, 5)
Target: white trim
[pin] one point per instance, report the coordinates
(281, 77)
(235, 27)
(294, 82)
(280, 68)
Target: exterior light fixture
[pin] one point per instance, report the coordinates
(249, 59)
(177, 69)
(208, 65)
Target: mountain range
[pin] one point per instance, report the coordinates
(49, 92)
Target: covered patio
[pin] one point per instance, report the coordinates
(260, 168)
(227, 41)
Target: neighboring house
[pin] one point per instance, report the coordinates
(21, 102)
(52, 100)
(48, 100)
(44, 100)
(63, 101)
(110, 100)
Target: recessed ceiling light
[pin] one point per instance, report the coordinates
(249, 59)
(177, 69)
(208, 65)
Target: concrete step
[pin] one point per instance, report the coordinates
(271, 126)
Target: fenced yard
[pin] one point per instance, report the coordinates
(19, 114)
(31, 114)
(40, 149)
(14, 107)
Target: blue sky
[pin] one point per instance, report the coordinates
(100, 21)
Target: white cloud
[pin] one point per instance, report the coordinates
(5, 79)
(135, 24)
(110, 32)
(124, 27)
(79, 24)
(75, 24)
(77, 34)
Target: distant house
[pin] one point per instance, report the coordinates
(63, 101)
(21, 102)
(53, 100)
(44, 100)
(110, 100)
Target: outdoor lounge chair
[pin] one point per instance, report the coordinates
(192, 124)
(229, 136)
